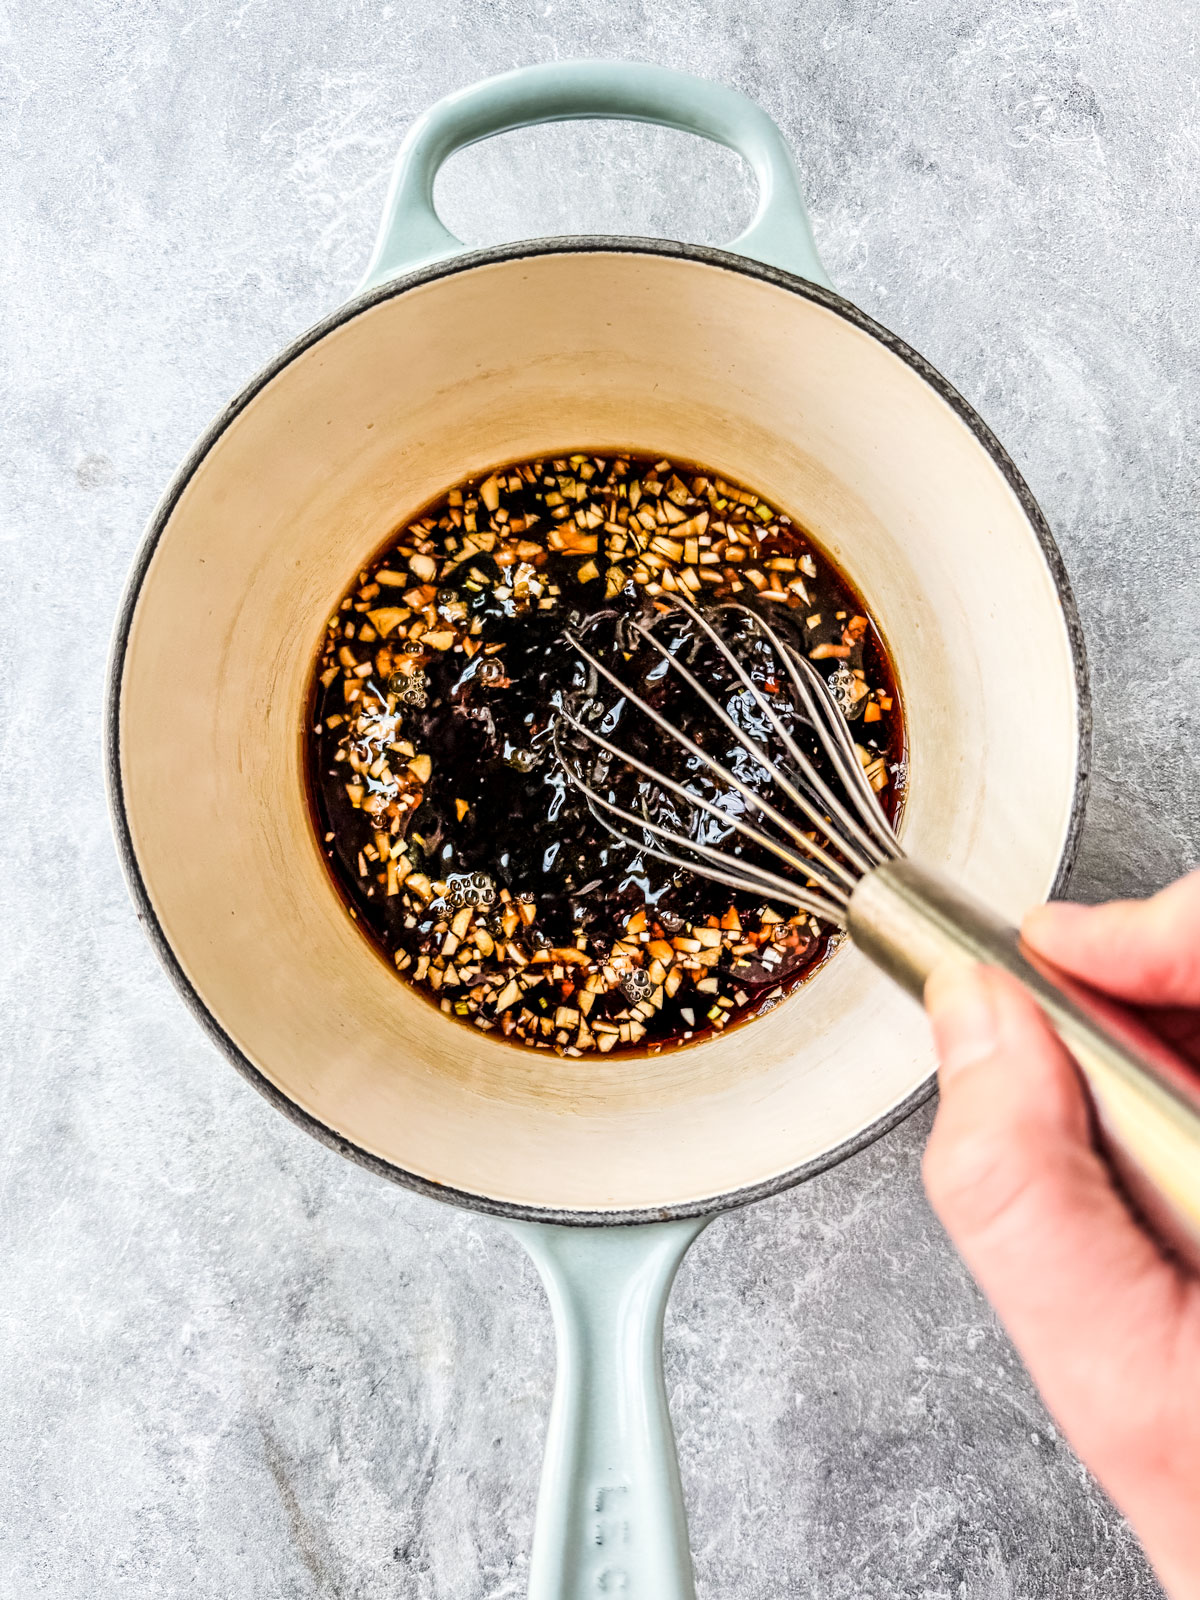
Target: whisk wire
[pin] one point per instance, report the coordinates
(841, 749)
(833, 805)
(773, 771)
(760, 802)
(852, 823)
(755, 879)
(769, 887)
(747, 829)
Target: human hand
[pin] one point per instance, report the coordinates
(1108, 1326)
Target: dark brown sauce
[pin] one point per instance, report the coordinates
(434, 784)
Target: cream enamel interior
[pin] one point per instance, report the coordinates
(546, 353)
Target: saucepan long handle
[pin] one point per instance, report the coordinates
(412, 234)
(610, 1516)
(1147, 1098)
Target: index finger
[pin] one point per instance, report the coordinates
(1142, 950)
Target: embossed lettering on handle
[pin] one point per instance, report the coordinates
(613, 1538)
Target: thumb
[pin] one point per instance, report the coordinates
(1013, 1175)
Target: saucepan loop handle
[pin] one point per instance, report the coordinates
(610, 1518)
(412, 234)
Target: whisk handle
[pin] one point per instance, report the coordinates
(1147, 1098)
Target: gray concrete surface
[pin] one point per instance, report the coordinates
(234, 1364)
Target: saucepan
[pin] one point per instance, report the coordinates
(445, 363)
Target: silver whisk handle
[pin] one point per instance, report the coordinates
(1147, 1098)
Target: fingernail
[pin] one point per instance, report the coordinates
(960, 1007)
(1053, 921)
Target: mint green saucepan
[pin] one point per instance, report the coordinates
(444, 363)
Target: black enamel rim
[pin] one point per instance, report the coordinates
(728, 262)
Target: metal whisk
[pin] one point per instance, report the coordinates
(792, 793)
